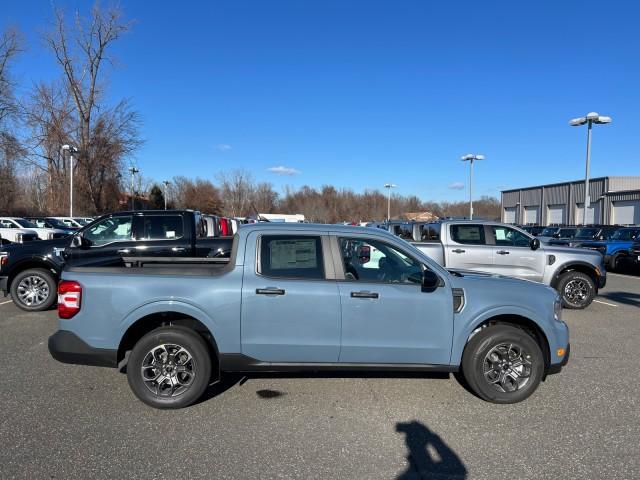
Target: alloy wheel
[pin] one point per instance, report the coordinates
(33, 291)
(168, 370)
(507, 367)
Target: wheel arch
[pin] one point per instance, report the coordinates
(518, 321)
(29, 264)
(145, 324)
(582, 267)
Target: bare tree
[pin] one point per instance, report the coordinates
(9, 48)
(237, 190)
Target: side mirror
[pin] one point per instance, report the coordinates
(535, 244)
(78, 241)
(430, 281)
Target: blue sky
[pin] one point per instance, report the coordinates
(359, 93)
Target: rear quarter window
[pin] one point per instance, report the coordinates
(468, 234)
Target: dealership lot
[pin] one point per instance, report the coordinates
(67, 421)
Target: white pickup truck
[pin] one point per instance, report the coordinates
(12, 224)
(498, 248)
(14, 233)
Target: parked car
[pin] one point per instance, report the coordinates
(70, 222)
(534, 230)
(634, 254)
(504, 249)
(586, 233)
(616, 247)
(83, 220)
(30, 273)
(284, 301)
(50, 222)
(15, 233)
(553, 234)
(44, 233)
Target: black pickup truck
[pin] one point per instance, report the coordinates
(30, 272)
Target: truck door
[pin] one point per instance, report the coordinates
(513, 255)
(106, 240)
(466, 248)
(290, 300)
(386, 317)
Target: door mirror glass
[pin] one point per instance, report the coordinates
(430, 281)
(535, 244)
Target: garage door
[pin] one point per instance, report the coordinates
(556, 214)
(626, 212)
(593, 214)
(531, 215)
(510, 215)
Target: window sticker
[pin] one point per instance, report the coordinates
(293, 254)
(171, 234)
(500, 234)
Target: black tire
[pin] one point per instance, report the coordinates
(577, 290)
(185, 387)
(41, 279)
(614, 262)
(479, 364)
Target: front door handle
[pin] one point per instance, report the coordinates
(124, 251)
(502, 252)
(178, 249)
(458, 250)
(269, 291)
(364, 295)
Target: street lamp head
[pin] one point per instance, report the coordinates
(70, 148)
(390, 185)
(576, 122)
(603, 119)
(592, 116)
(470, 156)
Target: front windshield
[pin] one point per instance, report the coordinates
(25, 223)
(57, 223)
(586, 232)
(548, 232)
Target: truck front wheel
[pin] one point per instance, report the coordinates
(169, 367)
(577, 290)
(34, 290)
(502, 364)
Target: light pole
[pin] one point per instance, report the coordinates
(166, 185)
(71, 150)
(389, 186)
(133, 171)
(471, 158)
(590, 119)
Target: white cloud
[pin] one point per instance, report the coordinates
(456, 186)
(223, 147)
(284, 170)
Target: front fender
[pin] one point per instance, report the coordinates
(464, 327)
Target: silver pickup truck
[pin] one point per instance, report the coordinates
(493, 247)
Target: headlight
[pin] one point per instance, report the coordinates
(557, 308)
(51, 235)
(19, 237)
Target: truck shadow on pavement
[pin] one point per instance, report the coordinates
(429, 456)
(626, 298)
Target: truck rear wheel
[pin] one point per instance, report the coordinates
(169, 367)
(502, 364)
(34, 290)
(577, 290)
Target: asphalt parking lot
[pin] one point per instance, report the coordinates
(65, 421)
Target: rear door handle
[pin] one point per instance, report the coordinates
(458, 250)
(178, 249)
(364, 295)
(269, 291)
(502, 252)
(124, 250)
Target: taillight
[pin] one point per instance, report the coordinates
(69, 298)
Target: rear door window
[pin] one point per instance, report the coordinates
(291, 256)
(468, 234)
(161, 227)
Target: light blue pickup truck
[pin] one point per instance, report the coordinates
(307, 298)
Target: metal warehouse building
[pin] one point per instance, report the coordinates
(614, 201)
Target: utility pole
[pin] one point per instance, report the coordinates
(133, 171)
(71, 150)
(389, 186)
(470, 158)
(166, 186)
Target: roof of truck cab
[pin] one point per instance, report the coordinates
(315, 227)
